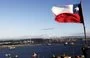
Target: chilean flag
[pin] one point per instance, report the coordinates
(68, 13)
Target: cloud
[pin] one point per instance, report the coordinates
(48, 28)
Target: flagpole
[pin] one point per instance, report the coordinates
(85, 38)
(85, 34)
(85, 47)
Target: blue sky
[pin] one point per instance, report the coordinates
(19, 18)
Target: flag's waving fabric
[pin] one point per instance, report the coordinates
(68, 13)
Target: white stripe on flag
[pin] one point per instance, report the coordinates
(66, 9)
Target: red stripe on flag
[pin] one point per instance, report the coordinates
(68, 17)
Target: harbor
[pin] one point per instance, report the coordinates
(41, 50)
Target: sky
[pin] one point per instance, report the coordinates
(26, 18)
